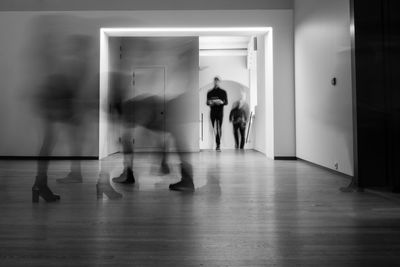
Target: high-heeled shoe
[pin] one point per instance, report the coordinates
(44, 192)
(108, 190)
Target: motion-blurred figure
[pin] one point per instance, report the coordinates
(239, 116)
(64, 65)
(217, 99)
(144, 111)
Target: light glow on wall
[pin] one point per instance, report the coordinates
(189, 31)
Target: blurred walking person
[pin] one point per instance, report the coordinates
(239, 116)
(216, 100)
(144, 111)
(62, 68)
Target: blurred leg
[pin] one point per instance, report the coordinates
(164, 169)
(76, 136)
(186, 182)
(40, 188)
(127, 148)
(45, 151)
(242, 135)
(218, 131)
(75, 142)
(236, 135)
(214, 125)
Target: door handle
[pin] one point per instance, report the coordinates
(201, 126)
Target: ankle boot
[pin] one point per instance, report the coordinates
(44, 192)
(125, 178)
(186, 182)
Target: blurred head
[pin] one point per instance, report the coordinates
(242, 95)
(217, 81)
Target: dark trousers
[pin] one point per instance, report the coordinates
(239, 129)
(216, 121)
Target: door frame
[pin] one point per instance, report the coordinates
(264, 140)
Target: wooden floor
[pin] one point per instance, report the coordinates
(246, 211)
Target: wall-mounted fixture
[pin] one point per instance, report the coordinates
(334, 81)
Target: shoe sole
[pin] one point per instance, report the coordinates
(123, 182)
(182, 189)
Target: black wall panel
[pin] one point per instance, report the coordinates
(378, 92)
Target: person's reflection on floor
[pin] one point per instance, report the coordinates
(103, 186)
(212, 188)
(59, 104)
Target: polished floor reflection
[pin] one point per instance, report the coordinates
(246, 211)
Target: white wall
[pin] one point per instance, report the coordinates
(263, 115)
(234, 73)
(265, 120)
(22, 71)
(16, 26)
(323, 112)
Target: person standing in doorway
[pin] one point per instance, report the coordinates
(216, 100)
(239, 116)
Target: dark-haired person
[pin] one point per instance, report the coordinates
(216, 100)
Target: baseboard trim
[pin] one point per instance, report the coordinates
(48, 158)
(326, 168)
(285, 158)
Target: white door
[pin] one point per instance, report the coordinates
(150, 82)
